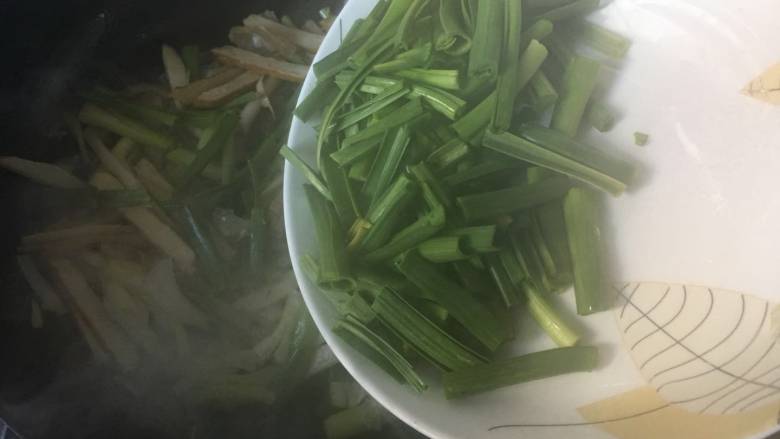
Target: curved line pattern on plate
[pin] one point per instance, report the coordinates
(692, 352)
(760, 389)
(673, 344)
(741, 386)
(743, 349)
(717, 345)
(713, 402)
(730, 360)
(756, 401)
(628, 300)
(668, 322)
(638, 319)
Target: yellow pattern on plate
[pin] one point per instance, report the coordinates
(707, 350)
(766, 87)
(643, 414)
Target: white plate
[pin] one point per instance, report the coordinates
(706, 212)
